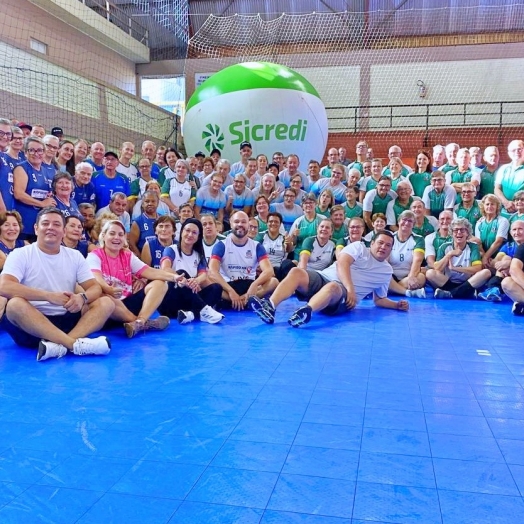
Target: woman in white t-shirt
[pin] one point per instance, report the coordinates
(119, 273)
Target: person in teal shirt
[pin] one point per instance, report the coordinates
(469, 207)
(488, 173)
(510, 177)
(421, 178)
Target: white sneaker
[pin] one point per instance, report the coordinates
(209, 315)
(92, 346)
(185, 317)
(48, 349)
(416, 293)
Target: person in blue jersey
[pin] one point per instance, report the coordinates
(10, 228)
(335, 183)
(89, 216)
(15, 151)
(52, 144)
(96, 156)
(211, 199)
(6, 173)
(81, 150)
(268, 188)
(501, 265)
(223, 168)
(194, 295)
(513, 284)
(143, 228)
(288, 209)
(38, 130)
(108, 181)
(6, 134)
(153, 249)
(313, 172)
(62, 187)
(84, 189)
(31, 186)
(234, 264)
(73, 236)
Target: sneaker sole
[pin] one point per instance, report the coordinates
(262, 312)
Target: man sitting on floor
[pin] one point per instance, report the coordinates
(45, 309)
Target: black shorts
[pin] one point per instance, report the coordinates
(64, 323)
(241, 286)
(316, 283)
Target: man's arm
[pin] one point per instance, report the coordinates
(401, 305)
(344, 263)
(265, 276)
(10, 287)
(516, 271)
(133, 237)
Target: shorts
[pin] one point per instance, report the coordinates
(241, 286)
(65, 323)
(316, 283)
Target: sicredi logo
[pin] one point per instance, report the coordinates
(243, 131)
(268, 105)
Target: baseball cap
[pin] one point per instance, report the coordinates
(245, 144)
(23, 125)
(110, 153)
(57, 131)
(200, 154)
(217, 151)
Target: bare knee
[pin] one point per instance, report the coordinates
(508, 284)
(17, 307)
(104, 304)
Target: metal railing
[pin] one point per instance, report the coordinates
(356, 119)
(120, 18)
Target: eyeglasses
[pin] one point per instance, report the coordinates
(6, 134)
(407, 220)
(144, 167)
(53, 148)
(253, 227)
(384, 186)
(356, 227)
(468, 191)
(289, 196)
(33, 151)
(17, 138)
(459, 230)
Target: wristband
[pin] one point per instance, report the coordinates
(84, 296)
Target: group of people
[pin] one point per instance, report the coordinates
(91, 239)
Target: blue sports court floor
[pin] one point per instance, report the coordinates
(377, 417)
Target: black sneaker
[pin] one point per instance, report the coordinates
(301, 316)
(518, 309)
(263, 308)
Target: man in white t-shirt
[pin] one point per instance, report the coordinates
(357, 272)
(45, 309)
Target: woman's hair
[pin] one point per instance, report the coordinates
(330, 193)
(198, 246)
(70, 164)
(6, 214)
(210, 160)
(172, 150)
(376, 216)
(31, 138)
(406, 214)
(427, 154)
(105, 229)
(165, 218)
(259, 198)
(101, 221)
(184, 163)
(491, 198)
(59, 175)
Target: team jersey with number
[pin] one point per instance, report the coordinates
(470, 256)
(192, 264)
(402, 253)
